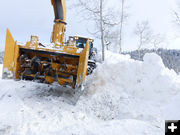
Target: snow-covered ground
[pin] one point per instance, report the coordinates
(123, 96)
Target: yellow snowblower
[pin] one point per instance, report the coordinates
(65, 62)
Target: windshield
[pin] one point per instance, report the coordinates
(81, 43)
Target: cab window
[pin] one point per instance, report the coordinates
(81, 43)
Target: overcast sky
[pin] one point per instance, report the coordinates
(35, 17)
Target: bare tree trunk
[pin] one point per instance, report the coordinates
(139, 54)
(102, 30)
(121, 26)
(107, 46)
(140, 44)
(144, 33)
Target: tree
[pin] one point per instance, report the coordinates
(102, 16)
(157, 39)
(102, 29)
(123, 16)
(177, 15)
(144, 34)
(177, 18)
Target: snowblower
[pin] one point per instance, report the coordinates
(65, 62)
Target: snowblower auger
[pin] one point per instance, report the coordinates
(66, 65)
(63, 62)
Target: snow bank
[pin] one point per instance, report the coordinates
(124, 88)
(148, 80)
(123, 96)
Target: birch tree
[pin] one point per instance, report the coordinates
(157, 40)
(121, 25)
(102, 29)
(103, 17)
(144, 34)
(176, 14)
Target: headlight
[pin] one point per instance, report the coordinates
(91, 40)
(76, 38)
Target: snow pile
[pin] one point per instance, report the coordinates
(123, 96)
(122, 88)
(148, 80)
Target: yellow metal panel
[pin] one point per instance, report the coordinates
(9, 56)
(83, 62)
(16, 63)
(58, 34)
(63, 81)
(49, 79)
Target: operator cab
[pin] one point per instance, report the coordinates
(80, 42)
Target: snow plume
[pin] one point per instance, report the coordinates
(122, 96)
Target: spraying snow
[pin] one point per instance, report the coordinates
(122, 96)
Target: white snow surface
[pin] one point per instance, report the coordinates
(122, 96)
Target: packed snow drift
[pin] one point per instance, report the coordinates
(122, 96)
